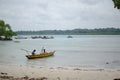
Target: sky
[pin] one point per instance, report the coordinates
(38, 15)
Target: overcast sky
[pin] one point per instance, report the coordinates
(59, 14)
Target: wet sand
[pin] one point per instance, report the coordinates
(15, 72)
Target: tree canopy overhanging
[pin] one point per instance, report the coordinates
(116, 4)
(6, 32)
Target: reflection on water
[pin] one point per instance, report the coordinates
(80, 51)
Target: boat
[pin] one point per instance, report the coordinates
(69, 36)
(41, 55)
(46, 37)
(20, 37)
(36, 37)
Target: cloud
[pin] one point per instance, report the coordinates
(91, 2)
(59, 14)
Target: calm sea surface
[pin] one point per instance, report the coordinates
(83, 51)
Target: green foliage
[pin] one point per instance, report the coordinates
(2, 27)
(6, 31)
(116, 4)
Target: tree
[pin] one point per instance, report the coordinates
(2, 24)
(6, 31)
(116, 4)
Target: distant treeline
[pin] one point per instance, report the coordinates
(99, 31)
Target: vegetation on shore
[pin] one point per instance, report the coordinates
(6, 32)
(99, 31)
(116, 4)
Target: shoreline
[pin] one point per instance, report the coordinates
(19, 72)
(81, 68)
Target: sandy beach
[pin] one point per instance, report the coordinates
(19, 72)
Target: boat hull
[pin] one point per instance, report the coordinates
(42, 55)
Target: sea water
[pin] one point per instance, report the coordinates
(81, 51)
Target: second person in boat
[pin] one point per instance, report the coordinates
(33, 53)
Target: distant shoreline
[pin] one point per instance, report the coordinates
(99, 31)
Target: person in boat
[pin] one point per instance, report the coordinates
(44, 50)
(33, 53)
